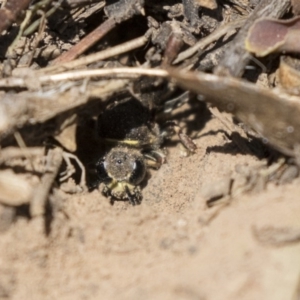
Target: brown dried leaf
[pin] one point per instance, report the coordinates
(270, 35)
(273, 115)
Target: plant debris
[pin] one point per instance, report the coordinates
(220, 83)
(51, 98)
(268, 35)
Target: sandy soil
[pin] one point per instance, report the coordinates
(172, 246)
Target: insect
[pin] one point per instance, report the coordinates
(133, 143)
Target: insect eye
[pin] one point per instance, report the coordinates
(138, 173)
(101, 171)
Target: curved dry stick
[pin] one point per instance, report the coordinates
(82, 74)
(87, 42)
(98, 56)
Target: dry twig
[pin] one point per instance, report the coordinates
(236, 56)
(17, 110)
(86, 42)
(81, 74)
(9, 153)
(209, 39)
(117, 13)
(102, 55)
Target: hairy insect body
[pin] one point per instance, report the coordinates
(122, 170)
(133, 143)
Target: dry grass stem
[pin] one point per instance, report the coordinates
(105, 54)
(81, 74)
(9, 153)
(86, 42)
(225, 29)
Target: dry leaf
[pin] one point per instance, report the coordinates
(273, 115)
(270, 35)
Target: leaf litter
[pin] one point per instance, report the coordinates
(220, 223)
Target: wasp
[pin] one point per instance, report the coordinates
(133, 143)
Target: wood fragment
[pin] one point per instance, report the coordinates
(123, 10)
(87, 42)
(102, 55)
(190, 9)
(89, 11)
(236, 56)
(203, 43)
(81, 74)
